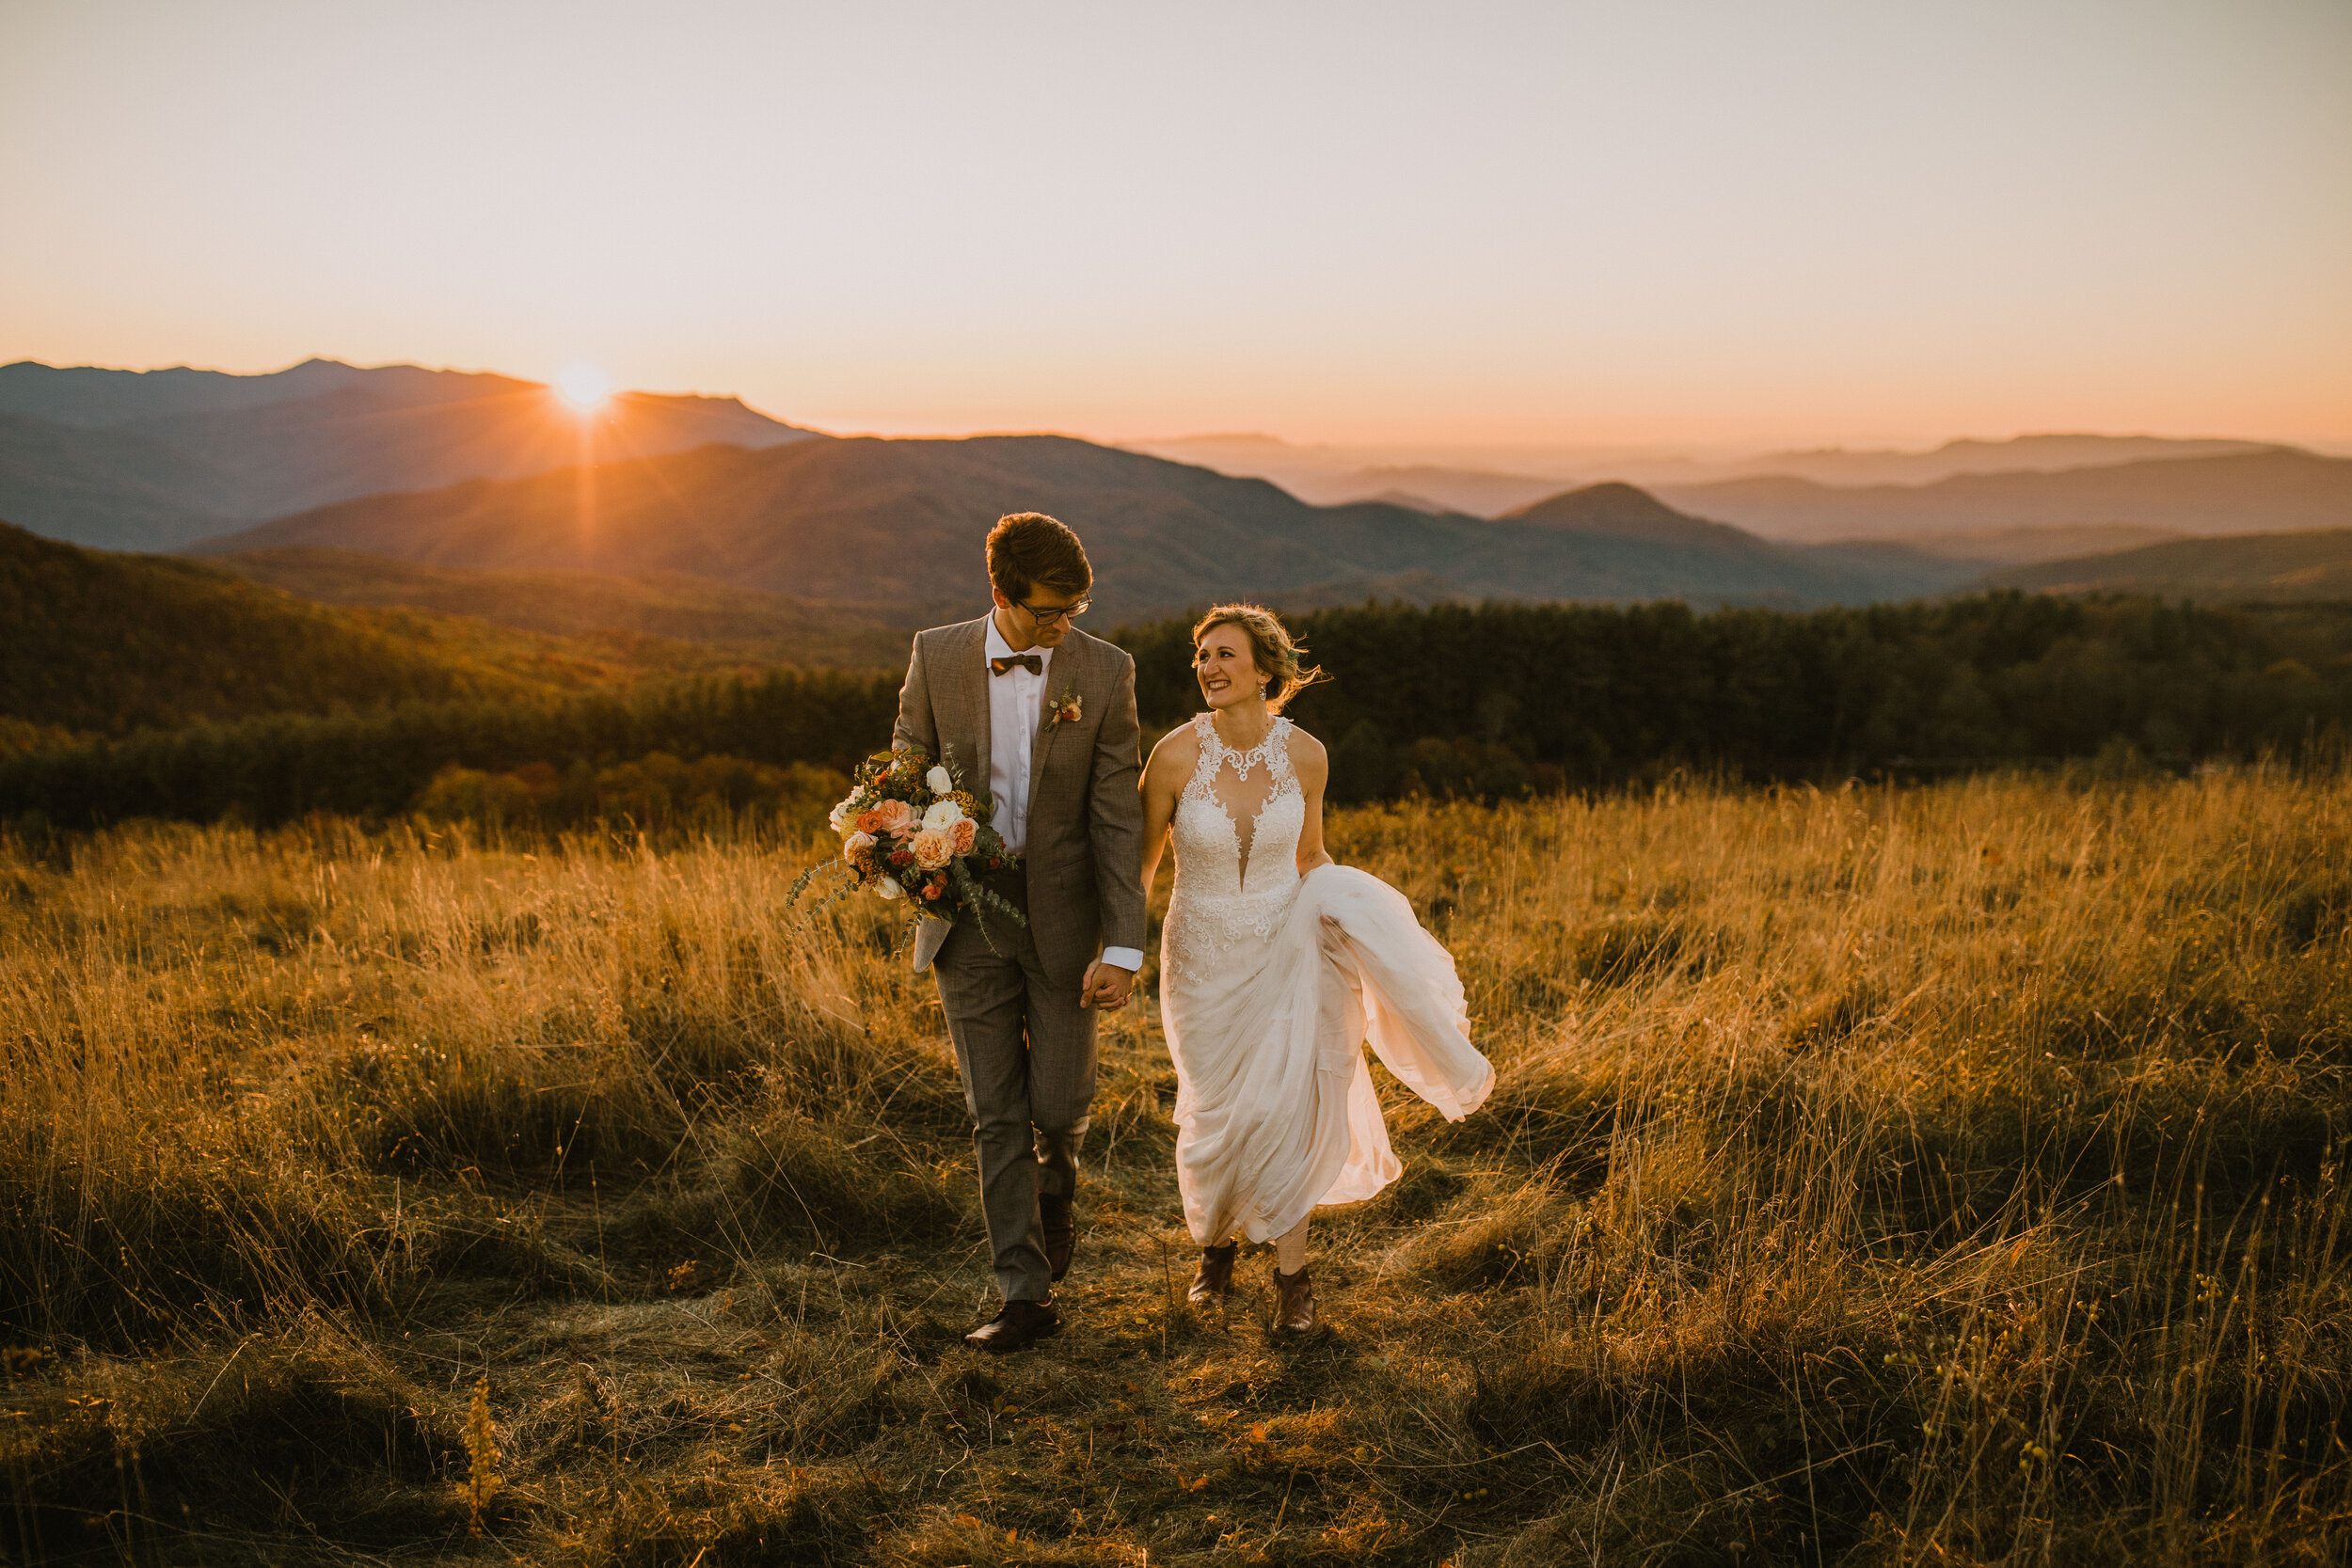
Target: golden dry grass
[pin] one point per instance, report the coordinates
(1949, 1176)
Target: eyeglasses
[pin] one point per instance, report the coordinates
(1065, 613)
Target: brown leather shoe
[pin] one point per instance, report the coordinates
(1059, 1218)
(1021, 1325)
(1216, 1279)
(1294, 1302)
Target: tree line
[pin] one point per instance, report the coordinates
(1496, 699)
(381, 762)
(1488, 701)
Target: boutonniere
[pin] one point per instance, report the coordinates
(1066, 708)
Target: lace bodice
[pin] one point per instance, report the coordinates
(1236, 834)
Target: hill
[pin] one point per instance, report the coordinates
(2279, 488)
(119, 487)
(1617, 511)
(155, 459)
(1614, 516)
(2272, 568)
(2017, 546)
(763, 627)
(106, 642)
(866, 521)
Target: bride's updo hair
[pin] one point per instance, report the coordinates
(1270, 649)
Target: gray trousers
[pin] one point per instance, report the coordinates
(1026, 1049)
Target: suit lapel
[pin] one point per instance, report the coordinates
(1064, 674)
(968, 654)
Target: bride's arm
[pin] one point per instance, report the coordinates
(1163, 778)
(1313, 767)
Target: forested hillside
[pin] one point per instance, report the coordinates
(112, 643)
(757, 627)
(2279, 568)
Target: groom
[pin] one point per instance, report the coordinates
(1026, 707)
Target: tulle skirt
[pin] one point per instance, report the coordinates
(1275, 1107)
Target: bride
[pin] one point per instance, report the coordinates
(1275, 965)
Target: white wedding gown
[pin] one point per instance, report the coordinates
(1266, 1010)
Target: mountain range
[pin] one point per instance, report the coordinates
(2046, 453)
(156, 459)
(2268, 490)
(658, 518)
(870, 521)
(1492, 483)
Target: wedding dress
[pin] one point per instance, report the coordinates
(1267, 1008)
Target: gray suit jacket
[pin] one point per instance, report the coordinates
(1085, 851)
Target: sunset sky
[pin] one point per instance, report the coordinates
(1483, 223)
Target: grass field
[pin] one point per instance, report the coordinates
(1953, 1175)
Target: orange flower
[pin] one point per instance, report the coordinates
(963, 835)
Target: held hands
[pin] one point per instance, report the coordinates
(1334, 936)
(1107, 986)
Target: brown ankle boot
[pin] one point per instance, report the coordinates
(1294, 1302)
(1216, 1279)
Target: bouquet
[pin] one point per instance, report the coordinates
(909, 830)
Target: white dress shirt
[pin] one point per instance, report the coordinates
(1015, 702)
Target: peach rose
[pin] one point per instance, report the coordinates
(892, 817)
(858, 844)
(963, 835)
(932, 848)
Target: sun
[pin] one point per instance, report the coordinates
(582, 386)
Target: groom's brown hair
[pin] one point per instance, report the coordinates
(1028, 550)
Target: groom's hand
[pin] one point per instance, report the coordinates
(1107, 986)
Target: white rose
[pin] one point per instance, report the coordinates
(839, 815)
(858, 844)
(942, 815)
(890, 889)
(939, 781)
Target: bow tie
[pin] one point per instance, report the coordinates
(1031, 662)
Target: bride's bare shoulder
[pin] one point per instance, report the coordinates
(1173, 759)
(1309, 758)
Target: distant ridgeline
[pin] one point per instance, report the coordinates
(1487, 701)
(1499, 699)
